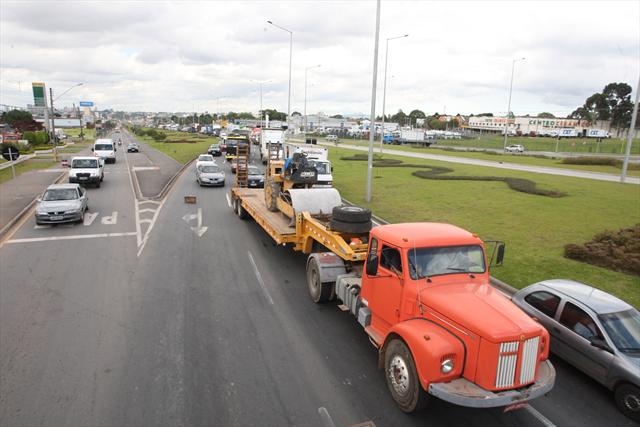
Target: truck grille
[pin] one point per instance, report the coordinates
(508, 362)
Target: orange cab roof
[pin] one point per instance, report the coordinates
(421, 234)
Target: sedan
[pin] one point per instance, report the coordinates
(255, 178)
(133, 148)
(514, 148)
(214, 150)
(61, 203)
(209, 173)
(593, 331)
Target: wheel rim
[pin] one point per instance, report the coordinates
(399, 375)
(313, 280)
(632, 402)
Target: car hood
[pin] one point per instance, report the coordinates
(480, 308)
(58, 205)
(211, 175)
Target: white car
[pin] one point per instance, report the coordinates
(209, 173)
(204, 158)
(514, 148)
(86, 170)
(332, 138)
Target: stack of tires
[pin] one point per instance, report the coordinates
(351, 219)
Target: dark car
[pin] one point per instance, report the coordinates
(133, 148)
(215, 150)
(593, 331)
(255, 177)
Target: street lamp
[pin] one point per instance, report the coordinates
(260, 82)
(305, 94)
(373, 105)
(290, 58)
(506, 125)
(384, 91)
(53, 118)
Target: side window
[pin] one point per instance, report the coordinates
(79, 191)
(390, 258)
(544, 301)
(579, 321)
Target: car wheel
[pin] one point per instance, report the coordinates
(38, 222)
(627, 398)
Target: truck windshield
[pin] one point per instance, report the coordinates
(321, 167)
(624, 330)
(427, 262)
(84, 163)
(103, 147)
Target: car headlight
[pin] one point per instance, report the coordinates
(73, 211)
(446, 366)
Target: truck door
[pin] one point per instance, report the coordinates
(386, 288)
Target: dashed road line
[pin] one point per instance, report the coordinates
(544, 420)
(228, 200)
(260, 281)
(327, 421)
(73, 237)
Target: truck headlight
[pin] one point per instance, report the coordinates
(446, 366)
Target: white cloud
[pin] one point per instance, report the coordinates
(167, 56)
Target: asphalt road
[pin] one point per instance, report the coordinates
(176, 324)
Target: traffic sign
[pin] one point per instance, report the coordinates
(10, 152)
(86, 103)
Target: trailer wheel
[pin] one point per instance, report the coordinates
(350, 227)
(402, 377)
(242, 212)
(351, 214)
(320, 292)
(271, 192)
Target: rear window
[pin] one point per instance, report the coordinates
(84, 163)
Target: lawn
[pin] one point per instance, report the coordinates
(535, 228)
(89, 134)
(26, 166)
(499, 157)
(183, 152)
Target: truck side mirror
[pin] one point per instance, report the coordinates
(372, 265)
(500, 256)
(91, 148)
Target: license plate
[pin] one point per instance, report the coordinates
(83, 178)
(252, 184)
(56, 217)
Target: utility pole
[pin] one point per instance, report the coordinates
(506, 125)
(290, 62)
(53, 127)
(384, 90)
(632, 130)
(306, 70)
(373, 105)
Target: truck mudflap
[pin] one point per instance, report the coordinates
(465, 393)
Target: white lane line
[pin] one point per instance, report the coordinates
(259, 277)
(151, 224)
(146, 210)
(544, 420)
(228, 200)
(325, 417)
(135, 204)
(146, 168)
(145, 221)
(74, 237)
(149, 201)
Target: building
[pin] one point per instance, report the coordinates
(525, 125)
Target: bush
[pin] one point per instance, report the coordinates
(29, 136)
(41, 138)
(587, 160)
(618, 251)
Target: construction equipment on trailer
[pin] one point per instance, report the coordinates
(242, 164)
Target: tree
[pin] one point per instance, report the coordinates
(485, 115)
(339, 116)
(275, 115)
(205, 119)
(246, 116)
(417, 114)
(618, 98)
(12, 117)
(296, 113)
(546, 115)
(400, 117)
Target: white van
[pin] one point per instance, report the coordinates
(271, 139)
(86, 170)
(106, 149)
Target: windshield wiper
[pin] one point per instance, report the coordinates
(456, 269)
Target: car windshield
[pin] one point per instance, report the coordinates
(214, 146)
(205, 158)
(60, 194)
(103, 147)
(84, 163)
(426, 262)
(209, 169)
(321, 167)
(624, 329)
(254, 171)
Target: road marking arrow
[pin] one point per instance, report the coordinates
(110, 220)
(199, 229)
(89, 218)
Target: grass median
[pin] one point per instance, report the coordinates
(181, 146)
(535, 228)
(26, 166)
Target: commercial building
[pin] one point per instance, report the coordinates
(526, 125)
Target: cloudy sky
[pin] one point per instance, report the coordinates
(201, 55)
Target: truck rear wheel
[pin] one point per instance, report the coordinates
(402, 377)
(242, 212)
(320, 292)
(271, 193)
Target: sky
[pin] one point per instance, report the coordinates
(208, 55)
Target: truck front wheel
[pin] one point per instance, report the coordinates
(402, 377)
(320, 292)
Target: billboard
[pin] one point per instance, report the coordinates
(86, 103)
(39, 94)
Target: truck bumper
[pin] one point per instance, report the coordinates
(465, 393)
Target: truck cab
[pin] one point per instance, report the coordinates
(423, 297)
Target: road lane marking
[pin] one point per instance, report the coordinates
(110, 220)
(145, 168)
(147, 210)
(228, 200)
(135, 204)
(89, 218)
(259, 277)
(74, 237)
(152, 222)
(325, 417)
(544, 420)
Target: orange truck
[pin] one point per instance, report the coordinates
(420, 291)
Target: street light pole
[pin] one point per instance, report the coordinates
(260, 82)
(384, 90)
(53, 118)
(506, 125)
(373, 105)
(290, 62)
(632, 129)
(305, 96)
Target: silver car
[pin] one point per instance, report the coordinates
(209, 173)
(61, 203)
(593, 331)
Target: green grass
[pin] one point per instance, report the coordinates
(26, 166)
(497, 157)
(89, 134)
(535, 228)
(181, 152)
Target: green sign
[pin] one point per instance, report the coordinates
(39, 93)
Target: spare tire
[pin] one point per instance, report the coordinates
(352, 214)
(350, 227)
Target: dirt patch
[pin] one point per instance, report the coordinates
(615, 250)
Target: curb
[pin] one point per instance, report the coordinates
(5, 230)
(496, 283)
(171, 181)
